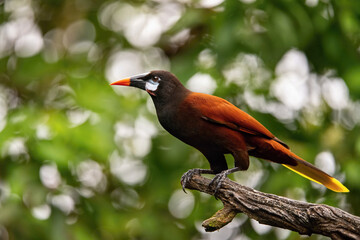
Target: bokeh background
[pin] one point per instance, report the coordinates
(83, 160)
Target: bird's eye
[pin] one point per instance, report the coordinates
(156, 79)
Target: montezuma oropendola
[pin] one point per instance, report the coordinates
(216, 127)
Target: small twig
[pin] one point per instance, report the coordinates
(302, 217)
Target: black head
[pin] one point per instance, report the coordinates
(161, 85)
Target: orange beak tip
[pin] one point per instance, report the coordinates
(123, 82)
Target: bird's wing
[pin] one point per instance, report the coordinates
(219, 111)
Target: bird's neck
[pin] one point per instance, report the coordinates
(170, 99)
(165, 105)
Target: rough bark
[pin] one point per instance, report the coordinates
(302, 217)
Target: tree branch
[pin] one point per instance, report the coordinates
(304, 218)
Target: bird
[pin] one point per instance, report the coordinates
(216, 127)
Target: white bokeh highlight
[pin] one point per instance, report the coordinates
(335, 93)
(326, 162)
(91, 175)
(202, 83)
(63, 202)
(181, 204)
(41, 212)
(50, 176)
(129, 171)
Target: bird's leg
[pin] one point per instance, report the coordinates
(220, 177)
(188, 175)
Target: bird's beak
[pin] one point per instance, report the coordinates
(134, 81)
(123, 82)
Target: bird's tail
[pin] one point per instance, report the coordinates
(312, 173)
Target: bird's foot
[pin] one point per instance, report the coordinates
(219, 179)
(217, 182)
(189, 174)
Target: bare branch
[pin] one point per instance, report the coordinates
(302, 217)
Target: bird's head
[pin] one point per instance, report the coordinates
(159, 84)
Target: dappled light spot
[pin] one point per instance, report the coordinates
(136, 141)
(181, 204)
(291, 90)
(180, 38)
(206, 58)
(21, 35)
(85, 192)
(16, 149)
(79, 36)
(125, 198)
(144, 30)
(63, 202)
(130, 171)
(50, 176)
(202, 83)
(293, 61)
(141, 26)
(311, 3)
(43, 132)
(259, 228)
(291, 86)
(247, 70)
(29, 44)
(41, 212)
(77, 116)
(53, 47)
(282, 233)
(278, 110)
(326, 162)
(335, 92)
(124, 64)
(123, 131)
(209, 3)
(59, 96)
(169, 12)
(140, 146)
(145, 128)
(90, 174)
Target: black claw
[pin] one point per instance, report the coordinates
(187, 176)
(219, 179)
(217, 182)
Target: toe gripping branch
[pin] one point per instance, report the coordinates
(224, 215)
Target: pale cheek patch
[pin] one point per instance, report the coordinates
(152, 86)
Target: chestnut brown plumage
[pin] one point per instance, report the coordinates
(216, 127)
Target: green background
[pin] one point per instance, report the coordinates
(83, 160)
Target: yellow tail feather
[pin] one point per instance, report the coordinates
(312, 173)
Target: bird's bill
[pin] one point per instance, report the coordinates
(123, 82)
(137, 81)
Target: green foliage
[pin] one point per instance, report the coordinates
(83, 160)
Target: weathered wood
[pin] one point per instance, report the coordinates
(302, 217)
